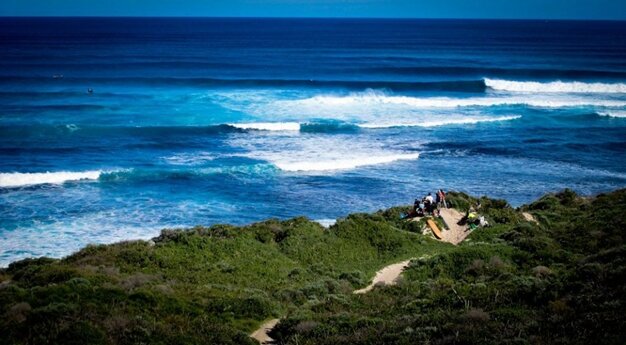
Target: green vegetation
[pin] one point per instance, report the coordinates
(559, 281)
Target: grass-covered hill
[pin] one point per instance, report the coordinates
(559, 281)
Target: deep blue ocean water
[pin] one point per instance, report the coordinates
(204, 121)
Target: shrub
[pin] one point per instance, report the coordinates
(476, 315)
(18, 312)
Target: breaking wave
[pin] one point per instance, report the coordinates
(342, 127)
(17, 179)
(613, 113)
(268, 126)
(342, 163)
(443, 122)
(554, 86)
(373, 98)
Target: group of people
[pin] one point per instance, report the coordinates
(428, 205)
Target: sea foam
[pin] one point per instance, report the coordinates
(343, 127)
(613, 113)
(554, 86)
(441, 122)
(312, 153)
(341, 163)
(367, 99)
(375, 107)
(17, 179)
(268, 126)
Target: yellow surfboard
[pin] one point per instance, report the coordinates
(434, 228)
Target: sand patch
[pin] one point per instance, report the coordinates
(261, 333)
(387, 276)
(529, 217)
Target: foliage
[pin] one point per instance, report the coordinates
(559, 281)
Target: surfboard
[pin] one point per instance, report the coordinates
(434, 228)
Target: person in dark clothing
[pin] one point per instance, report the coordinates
(441, 198)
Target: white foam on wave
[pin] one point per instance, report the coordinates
(341, 163)
(17, 179)
(441, 122)
(268, 126)
(287, 111)
(379, 100)
(613, 113)
(301, 152)
(425, 121)
(189, 159)
(554, 86)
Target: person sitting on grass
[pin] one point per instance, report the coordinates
(416, 211)
(468, 217)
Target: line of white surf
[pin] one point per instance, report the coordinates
(554, 86)
(442, 122)
(16, 179)
(378, 100)
(268, 126)
(341, 164)
(295, 126)
(613, 113)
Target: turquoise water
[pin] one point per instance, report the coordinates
(204, 121)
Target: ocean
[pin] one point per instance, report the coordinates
(114, 128)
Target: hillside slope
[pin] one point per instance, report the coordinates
(558, 281)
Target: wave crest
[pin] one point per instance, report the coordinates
(343, 163)
(364, 101)
(613, 113)
(554, 86)
(442, 122)
(17, 179)
(268, 126)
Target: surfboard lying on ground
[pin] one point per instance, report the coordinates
(434, 228)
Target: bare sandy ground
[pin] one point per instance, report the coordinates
(456, 233)
(387, 276)
(529, 217)
(261, 334)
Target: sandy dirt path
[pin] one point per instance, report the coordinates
(387, 276)
(456, 233)
(261, 334)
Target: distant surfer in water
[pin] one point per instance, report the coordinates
(90, 91)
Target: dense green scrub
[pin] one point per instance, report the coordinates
(559, 281)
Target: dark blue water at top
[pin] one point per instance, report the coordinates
(113, 128)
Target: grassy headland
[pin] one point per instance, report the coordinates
(558, 281)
